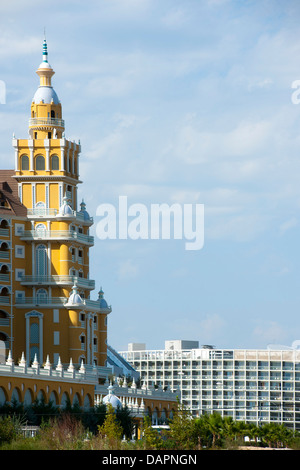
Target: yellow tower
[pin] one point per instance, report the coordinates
(51, 310)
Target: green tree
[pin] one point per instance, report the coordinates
(150, 437)
(8, 430)
(124, 418)
(182, 428)
(214, 423)
(111, 431)
(204, 436)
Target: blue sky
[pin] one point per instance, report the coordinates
(185, 101)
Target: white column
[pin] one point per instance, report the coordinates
(31, 147)
(62, 153)
(73, 159)
(47, 148)
(41, 338)
(15, 145)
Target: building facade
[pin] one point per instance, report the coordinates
(259, 386)
(45, 305)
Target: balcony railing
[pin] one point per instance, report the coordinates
(43, 300)
(56, 235)
(4, 232)
(56, 279)
(47, 212)
(42, 212)
(4, 254)
(40, 122)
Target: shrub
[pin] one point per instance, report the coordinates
(8, 429)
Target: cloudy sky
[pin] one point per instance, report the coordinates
(187, 102)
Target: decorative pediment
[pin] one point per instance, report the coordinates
(34, 313)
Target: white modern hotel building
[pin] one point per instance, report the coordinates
(257, 386)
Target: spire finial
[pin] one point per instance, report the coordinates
(45, 51)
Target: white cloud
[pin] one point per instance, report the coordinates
(270, 332)
(127, 270)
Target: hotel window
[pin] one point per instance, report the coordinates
(55, 316)
(82, 319)
(19, 273)
(41, 260)
(34, 333)
(56, 338)
(19, 228)
(24, 162)
(19, 251)
(82, 341)
(40, 163)
(54, 162)
(42, 296)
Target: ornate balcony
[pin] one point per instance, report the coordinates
(29, 235)
(42, 212)
(44, 123)
(81, 282)
(50, 302)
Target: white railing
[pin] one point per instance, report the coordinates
(85, 304)
(49, 212)
(57, 279)
(46, 122)
(4, 232)
(56, 234)
(41, 300)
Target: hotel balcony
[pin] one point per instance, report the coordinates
(50, 302)
(4, 299)
(4, 232)
(81, 282)
(43, 213)
(45, 123)
(29, 235)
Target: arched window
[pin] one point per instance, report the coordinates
(52, 113)
(54, 162)
(42, 296)
(40, 228)
(24, 162)
(40, 163)
(41, 259)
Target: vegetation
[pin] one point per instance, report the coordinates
(103, 428)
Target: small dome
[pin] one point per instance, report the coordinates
(65, 209)
(102, 301)
(45, 94)
(83, 210)
(75, 298)
(112, 399)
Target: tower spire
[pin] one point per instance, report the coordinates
(45, 51)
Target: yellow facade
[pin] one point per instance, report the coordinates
(46, 308)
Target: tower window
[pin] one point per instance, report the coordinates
(55, 163)
(24, 162)
(49, 135)
(52, 113)
(40, 163)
